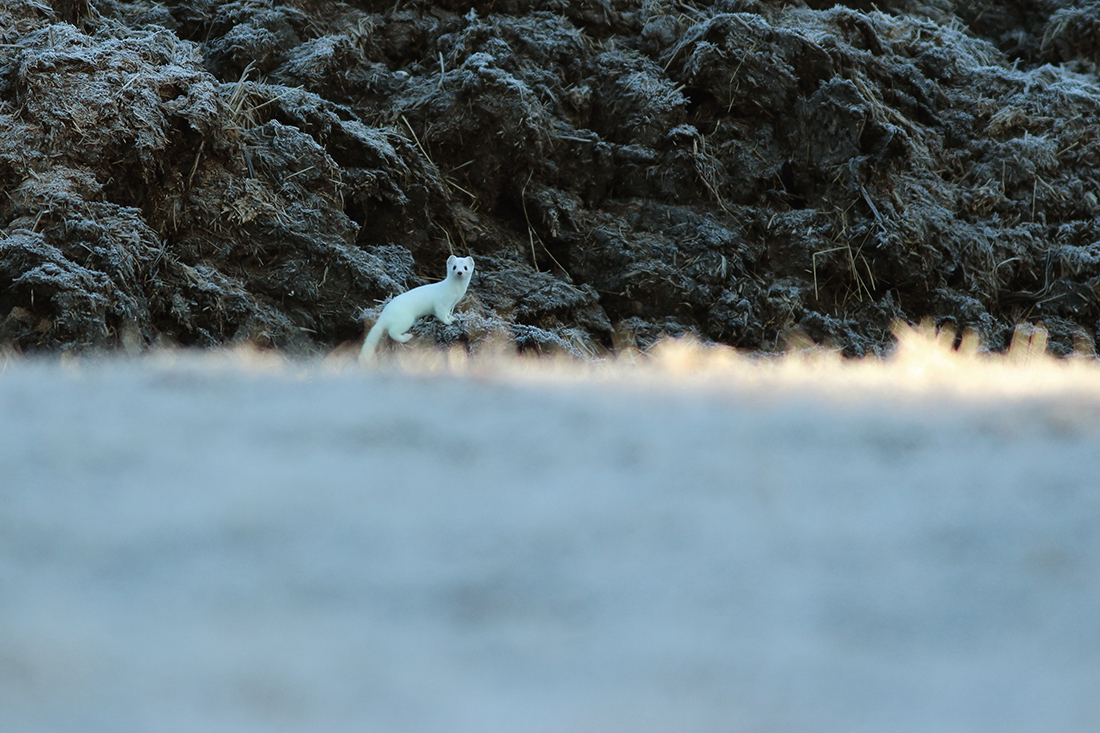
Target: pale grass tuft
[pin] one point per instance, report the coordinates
(927, 361)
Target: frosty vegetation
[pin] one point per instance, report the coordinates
(699, 542)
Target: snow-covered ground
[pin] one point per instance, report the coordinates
(230, 543)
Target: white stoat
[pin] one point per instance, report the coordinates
(436, 298)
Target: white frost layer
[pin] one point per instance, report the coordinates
(203, 545)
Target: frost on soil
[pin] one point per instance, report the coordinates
(743, 172)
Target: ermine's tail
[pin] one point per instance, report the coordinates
(373, 337)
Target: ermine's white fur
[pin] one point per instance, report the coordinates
(438, 299)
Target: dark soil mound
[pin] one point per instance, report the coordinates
(204, 172)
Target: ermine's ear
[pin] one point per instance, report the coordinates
(471, 261)
(450, 259)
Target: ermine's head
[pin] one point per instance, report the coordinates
(460, 267)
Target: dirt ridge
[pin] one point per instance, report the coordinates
(207, 172)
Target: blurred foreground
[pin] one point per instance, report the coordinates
(697, 543)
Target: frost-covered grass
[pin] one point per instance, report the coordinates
(693, 542)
